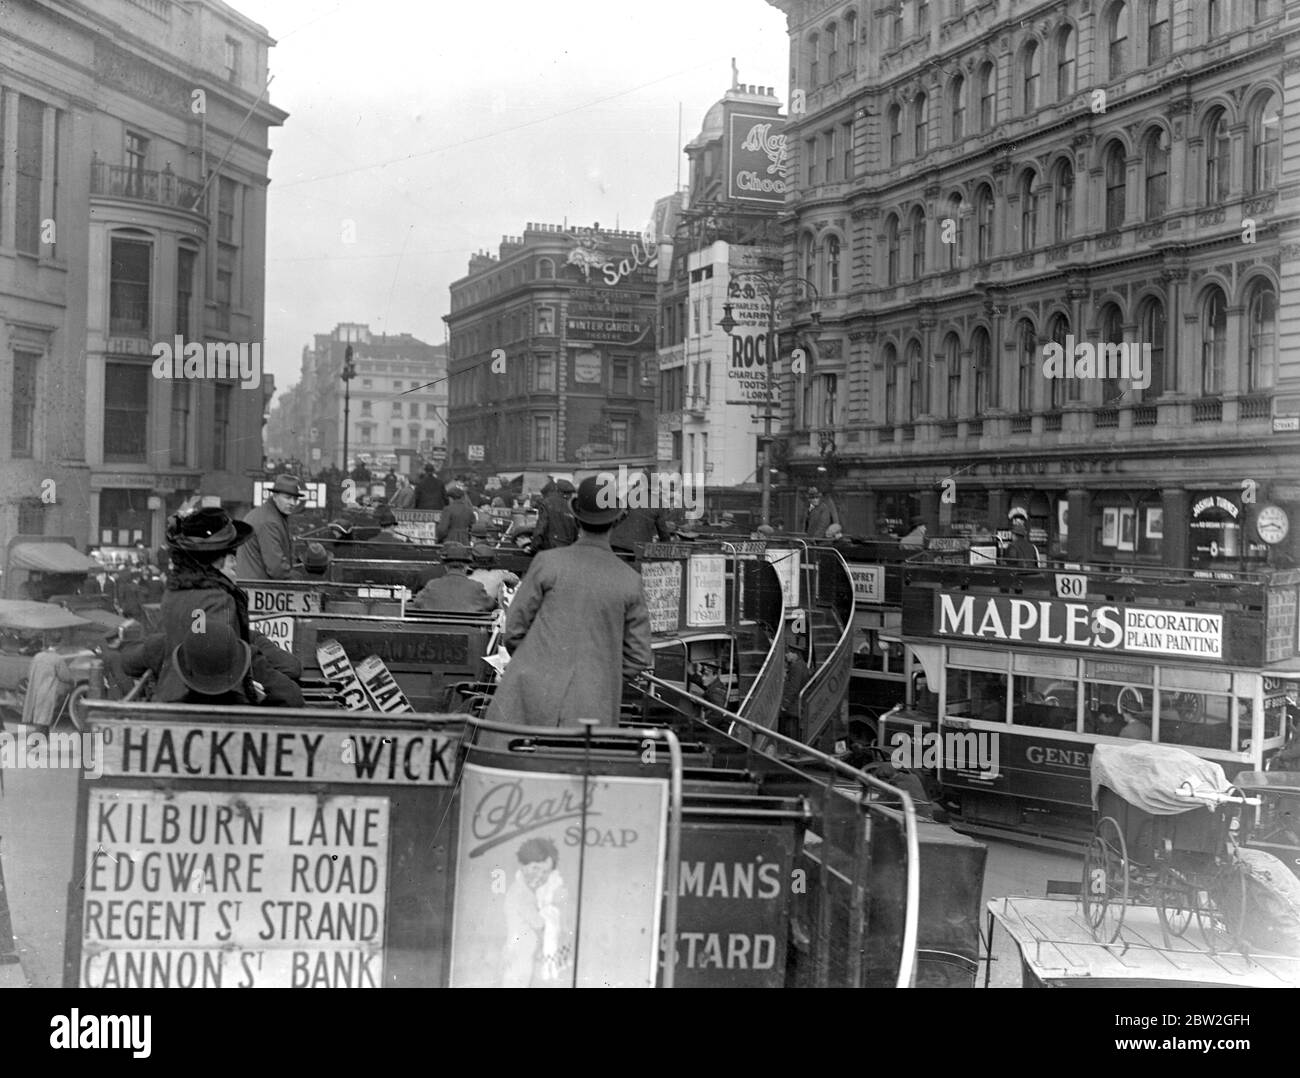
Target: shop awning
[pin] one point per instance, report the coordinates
(49, 558)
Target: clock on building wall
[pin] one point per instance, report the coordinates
(1272, 524)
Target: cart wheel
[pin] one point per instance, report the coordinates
(1176, 902)
(1221, 907)
(1105, 881)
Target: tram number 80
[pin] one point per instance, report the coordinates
(1071, 585)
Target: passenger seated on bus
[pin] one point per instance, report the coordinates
(1136, 727)
(455, 592)
(316, 562)
(1104, 721)
(201, 590)
(213, 667)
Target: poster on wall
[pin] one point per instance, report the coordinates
(519, 888)
(1127, 529)
(1109, 527)
(1155, 522)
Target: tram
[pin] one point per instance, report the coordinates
(1020, 673)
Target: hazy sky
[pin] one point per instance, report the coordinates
(436, 127)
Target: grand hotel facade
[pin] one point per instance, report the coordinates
(973, 181)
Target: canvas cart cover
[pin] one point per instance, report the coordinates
(49, 558)
(1148, 776)
(26, 616)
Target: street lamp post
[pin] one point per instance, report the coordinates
(728, 324)
(349, 372)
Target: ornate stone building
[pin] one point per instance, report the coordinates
(977, 183)
(132, 212)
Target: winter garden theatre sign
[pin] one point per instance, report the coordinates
(226, 855)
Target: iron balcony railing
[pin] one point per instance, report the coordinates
(163, 188)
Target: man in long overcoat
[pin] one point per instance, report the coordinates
(577, 628)
(268, 555)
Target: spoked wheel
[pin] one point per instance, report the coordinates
(1105, 881)
(1221, 907)
(1176, 902)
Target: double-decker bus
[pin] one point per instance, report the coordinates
(1019, 673)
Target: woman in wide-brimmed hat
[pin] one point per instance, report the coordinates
(201, 592)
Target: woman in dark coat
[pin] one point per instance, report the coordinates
(201, 591)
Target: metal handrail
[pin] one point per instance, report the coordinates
(911, 916)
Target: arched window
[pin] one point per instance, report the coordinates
(957, 107)
(891, 250)
(1060, 389)
(1218, 157)
(983, 224)
(850, 41)
(1031, 70)
(807, 254)
(921, 124)
(1065, 62)
(1063, 202)
(890, 356)
(915, 383)
(832, 52)
(1214, 341)
(1027, 364)
(953, 231)
(1265, 133)
(545, 269)
(1151, 331)
(952, 364)
(988, 88)
(1157, 30)
(982, 364)
(814, 61)
(1261, 343)
(895, 127)
(1028, 210)
(1112, 334)
(918, 243)
(1156, 164)
(1116, 185)
(1117, 39)
(831, 282)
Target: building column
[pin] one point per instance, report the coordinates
(929, 499)
(999, 506)
(1076, 541)
(1175, 547)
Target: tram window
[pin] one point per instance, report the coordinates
(1044, 701)
(1200, 720)
(976, 694)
